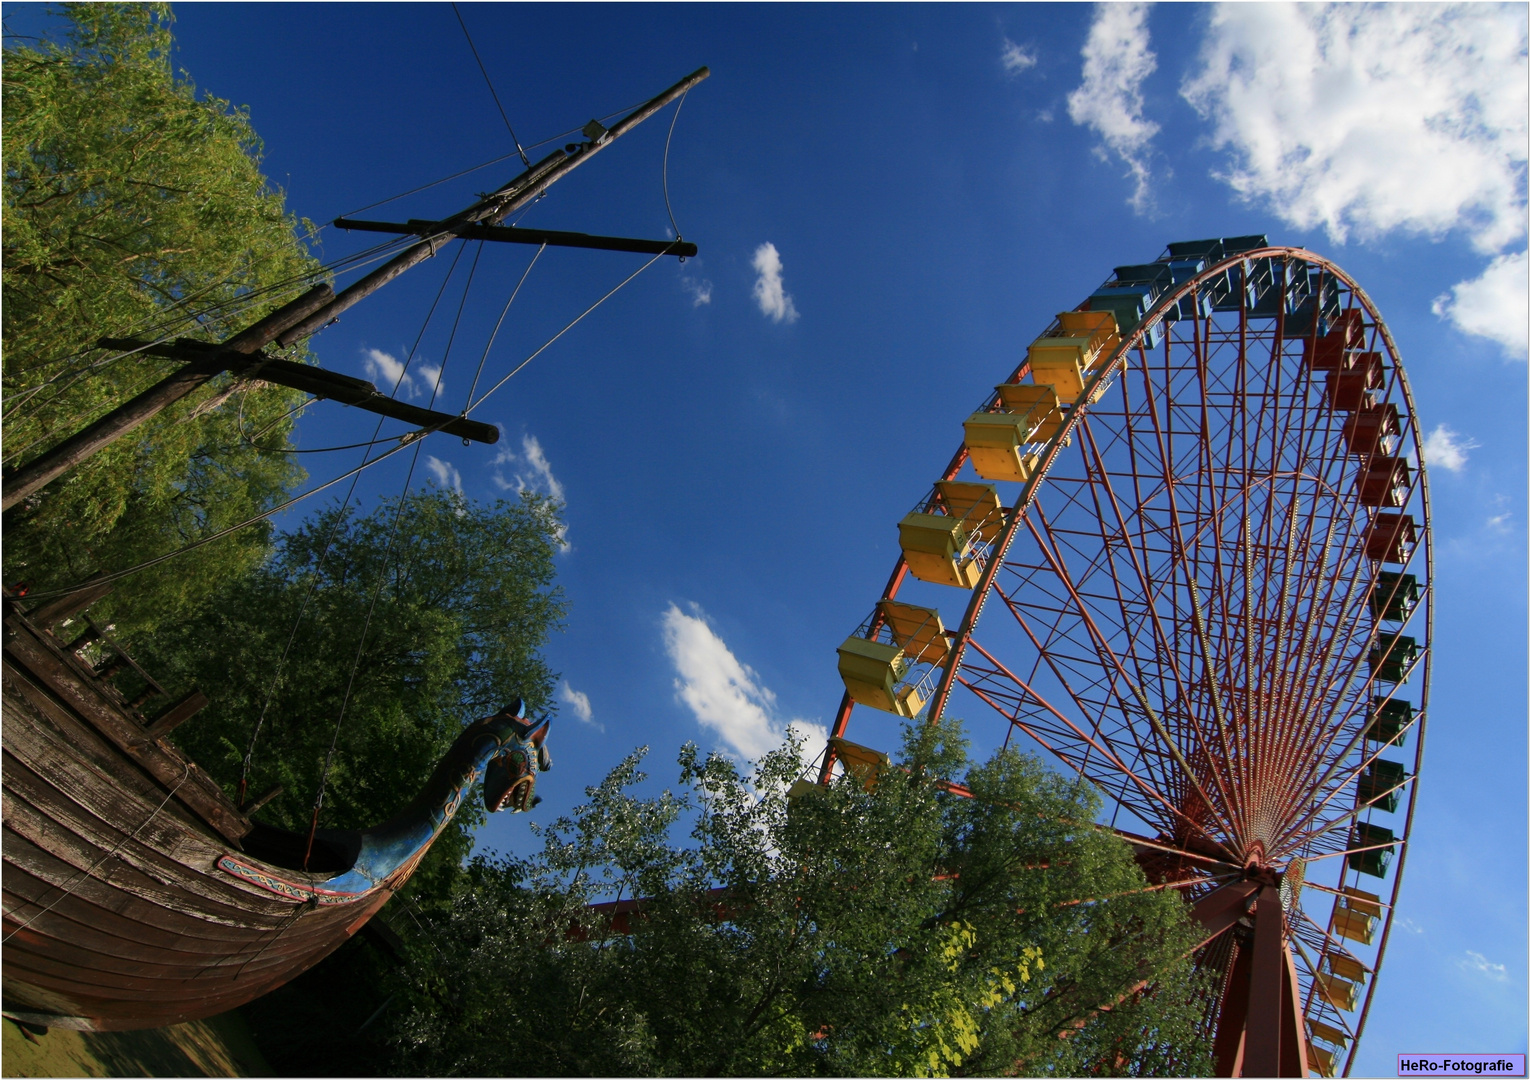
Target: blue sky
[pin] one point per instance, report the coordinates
(890, 202)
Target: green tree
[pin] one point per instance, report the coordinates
(464, 600)
(134, 206)
(900, 930)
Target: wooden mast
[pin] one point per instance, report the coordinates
(320, 306)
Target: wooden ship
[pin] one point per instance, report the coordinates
(136, 892)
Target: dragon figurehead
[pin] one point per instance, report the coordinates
(511, 776)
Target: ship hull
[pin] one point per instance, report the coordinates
(117, 914)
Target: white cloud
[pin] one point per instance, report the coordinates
(579, 702)
(387, 372)
(1117, 61)
(699, 288)
(430, 380)
(1499, 522)
(769, 293)
(1493, 305)
(1402, 922)
(390, 374)
(1475, 961)
(1015, 59)
(725, 694)
(1372, 117)
(1445, 448)
(445, 472)
(541, 471)
(533, 472)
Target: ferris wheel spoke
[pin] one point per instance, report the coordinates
(1108, 753)
(1304, 698)
(1328, 827)
(1056, 741)
(1328, 942)
(1323, 784)
(1314, 1005)
(1201, 608)
(1112, 663)
(1049, 656)
(1099, 473)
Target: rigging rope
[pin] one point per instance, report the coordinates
(672, 122)
(514, 293)
(490, 83)
(324, 449)
(420, 434)
(313, 586)
(484, 165)
(166, 328)
(575, 322)
(340, 265)
(398, 515)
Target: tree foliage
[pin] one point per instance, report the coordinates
(464, 600)
(897, 931)
(135, 206)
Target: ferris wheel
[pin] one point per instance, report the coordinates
(1183, 551)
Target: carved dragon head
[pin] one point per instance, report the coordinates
(510, 779)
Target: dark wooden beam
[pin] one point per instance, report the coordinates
(515, 234)
(175, 716)
(364, 395)
(491, 209)
(323, 384)
(249, 811)
(53, 612)
(37, 472)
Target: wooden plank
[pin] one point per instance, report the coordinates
(103, 931)
(45, 835)
(78, 959)
(41, 751)
(138, 897)
(28, 707)
(47, 614)
(271, 967)
(192, 786)
(55, 970)
(176, 715)
(308, 935)
(112, 668)
(36, 881)
(236, 976)
(136, 843)
(91, 949)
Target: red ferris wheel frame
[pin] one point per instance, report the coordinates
(1232, 730)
